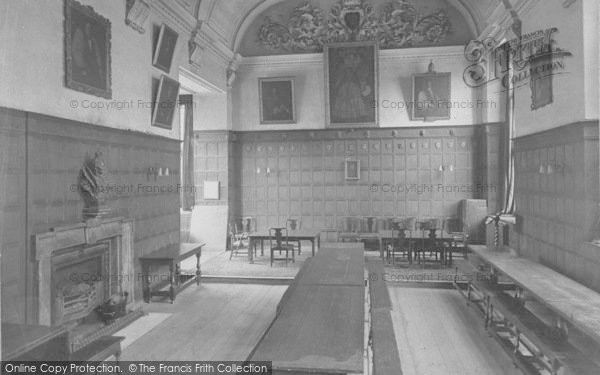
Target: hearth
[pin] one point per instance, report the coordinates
(80, 267)
(80, 282)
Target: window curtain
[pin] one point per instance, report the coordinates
(508, 207)
(188, 198)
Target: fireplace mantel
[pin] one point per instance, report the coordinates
(118, 231)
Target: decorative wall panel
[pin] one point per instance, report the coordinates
(400, 174)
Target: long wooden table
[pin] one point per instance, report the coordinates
(320, 324)
(293, 236)
(572, 301)
(171, 257)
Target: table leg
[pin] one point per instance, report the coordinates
(198, 273)
(146, 278)
(177, 274)
(380, 248)
(313, 246)
(172, 283)
(251, 245)
(262, 247)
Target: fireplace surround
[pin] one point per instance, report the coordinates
(81, 265)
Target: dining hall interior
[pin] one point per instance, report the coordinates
(317, 186)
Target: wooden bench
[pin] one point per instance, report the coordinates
(575, 303)
(529, 312)
(171, 257)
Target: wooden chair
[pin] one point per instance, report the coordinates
(248, 224)
(459, 235)
(398, 244)
(429, 240)
(240, 243)
(278, 241)
(349, 229)
(295, 224)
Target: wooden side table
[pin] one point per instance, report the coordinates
(170, 256)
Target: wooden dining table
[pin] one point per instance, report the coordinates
(292, 236)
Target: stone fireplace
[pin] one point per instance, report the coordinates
(82, 265)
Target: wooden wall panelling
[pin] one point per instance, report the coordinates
(13, 215)
(556, 210)
(310, 179)
(56, 151)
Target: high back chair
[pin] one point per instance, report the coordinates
(349, 228)
(240, 243)
(278, 241)
(399, 244)
(429, 237)
(248, 224)
(459, 237)
(295, 224)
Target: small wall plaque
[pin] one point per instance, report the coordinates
(211, 190)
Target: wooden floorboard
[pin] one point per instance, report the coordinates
(209, 322)
(437, 333)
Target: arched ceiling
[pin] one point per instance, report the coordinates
(228, 20)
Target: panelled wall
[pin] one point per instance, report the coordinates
(13, 213)
(43, 193)
(557, 200)
(301, 173)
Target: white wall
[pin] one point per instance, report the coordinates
(573, 92)
(32, 72)
(395, 85)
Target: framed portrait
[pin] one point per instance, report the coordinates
(276, 96)
(352, 169)
(87, 50)
(351, 84)
(165, 48)
(165, 103)
(431, 99)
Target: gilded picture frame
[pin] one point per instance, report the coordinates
(276, 100)
(87, 50)
(431, 97)
(351, 84)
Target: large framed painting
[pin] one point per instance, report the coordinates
(276, 96)
(431, 99)
(351, 84)
(87, 50)
(165, 103)
(165, 48)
